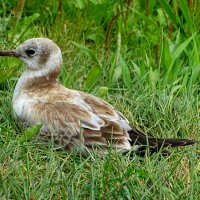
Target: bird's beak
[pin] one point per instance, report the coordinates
(12, 53)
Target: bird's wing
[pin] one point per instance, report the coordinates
(63, 116)
(116, 125)
(70, 111)
(106, 111)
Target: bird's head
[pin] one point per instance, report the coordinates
(39, 54)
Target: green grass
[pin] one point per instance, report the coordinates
(140, 56)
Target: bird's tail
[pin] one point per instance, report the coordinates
(155, 144)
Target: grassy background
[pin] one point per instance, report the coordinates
(142, 57)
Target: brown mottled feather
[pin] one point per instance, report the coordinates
(60, 109)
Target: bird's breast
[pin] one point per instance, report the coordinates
(22, 105)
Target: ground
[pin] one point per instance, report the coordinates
(144, 60)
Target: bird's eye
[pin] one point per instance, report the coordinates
(30, 52)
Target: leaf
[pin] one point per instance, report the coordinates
(166, 54)
(30, 19)
(169, 11)
(137, 70)
(176, 88)
(195, 52)
(117, 74)
(103, 91)
(89, 53)
(29, 133)
(195, 73)
(153, 77)
(198, 167)
(178, 51)
(185, 78)
(80, 4)
(161, 17)
(92, 77)
(112, 70)
(184, 8)
(125, 73)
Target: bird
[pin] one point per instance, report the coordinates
(74, 119)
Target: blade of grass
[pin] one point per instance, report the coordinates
(169, 11)
(92, 77)
(185, 10)
(177, 53)
(126, 75)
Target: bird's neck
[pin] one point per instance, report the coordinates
(31, 79)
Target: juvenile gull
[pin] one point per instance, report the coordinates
(73, 118)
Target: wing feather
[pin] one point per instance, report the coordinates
(78, 113)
